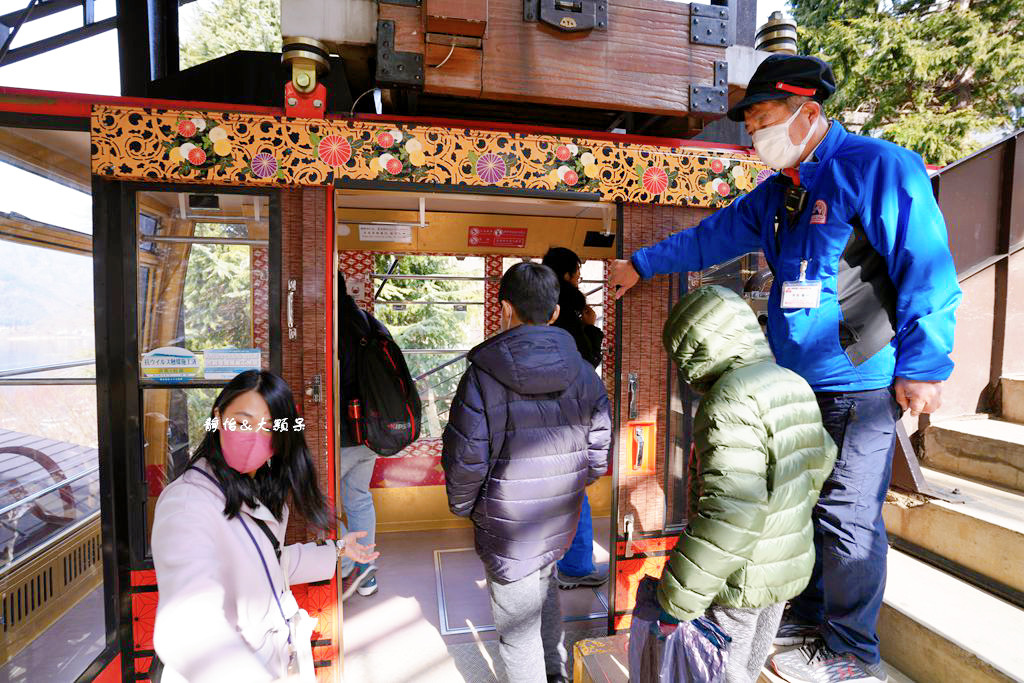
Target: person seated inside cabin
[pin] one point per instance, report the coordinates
(577, 567)
(761, 456)
(529, 429)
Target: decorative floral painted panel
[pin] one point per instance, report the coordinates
(228, 148)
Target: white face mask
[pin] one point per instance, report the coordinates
(774, 146)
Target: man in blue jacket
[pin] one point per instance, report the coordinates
(862, 307)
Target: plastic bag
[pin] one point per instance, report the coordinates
(690, 652)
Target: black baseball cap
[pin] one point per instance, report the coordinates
(781, 76)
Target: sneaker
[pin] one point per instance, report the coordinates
(817, 663)
(792, 632)
(368, 587)
(360, 574)
(567, 582)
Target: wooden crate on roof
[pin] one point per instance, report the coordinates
(639, 56)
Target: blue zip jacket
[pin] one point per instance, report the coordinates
(872, 233)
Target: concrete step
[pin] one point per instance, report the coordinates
(1013, 398)
(979, 448)
(935, 627)
(982, 538)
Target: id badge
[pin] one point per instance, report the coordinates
(801, 294)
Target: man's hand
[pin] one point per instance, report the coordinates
(621, 277)
(918, 396)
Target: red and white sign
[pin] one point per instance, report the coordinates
(484, 236)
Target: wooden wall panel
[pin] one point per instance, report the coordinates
(643, 62)
(645, 309)
(460, 75)
(303, 222)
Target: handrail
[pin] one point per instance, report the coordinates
(49, 489)
(434, 277)
(45, 368)
(431, 371)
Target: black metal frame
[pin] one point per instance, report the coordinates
(137, 492)
(119, 391)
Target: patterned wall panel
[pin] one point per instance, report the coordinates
(260, 269)
(248, 149)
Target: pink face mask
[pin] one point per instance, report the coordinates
(245, 451)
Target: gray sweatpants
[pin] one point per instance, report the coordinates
(752, 632)
(528, 618)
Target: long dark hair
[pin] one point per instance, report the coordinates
(563, 261)
(289, 471)
(566, 262)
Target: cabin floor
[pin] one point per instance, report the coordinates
(431, 619)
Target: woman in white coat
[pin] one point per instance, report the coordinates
(225, 612)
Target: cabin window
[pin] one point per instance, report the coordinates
(434, 308)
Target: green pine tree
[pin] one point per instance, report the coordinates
(930, 75)
(432, 326)
(225, 26)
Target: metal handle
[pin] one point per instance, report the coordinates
(633, 385)
(292, 332)
(638, 437)
(628, 524)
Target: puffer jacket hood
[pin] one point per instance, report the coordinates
(761, 456)
(710, 332)
(528, 430)
(530, 359)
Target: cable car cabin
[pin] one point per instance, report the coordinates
(204, 267)
(152, 249)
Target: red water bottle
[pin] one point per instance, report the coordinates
(355, 414)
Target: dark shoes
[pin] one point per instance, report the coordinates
(362, 578)
(567, 582)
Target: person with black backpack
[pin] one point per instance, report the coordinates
(380, 416)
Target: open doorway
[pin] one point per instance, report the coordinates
(428, 267)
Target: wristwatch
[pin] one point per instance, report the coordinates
(339, 545)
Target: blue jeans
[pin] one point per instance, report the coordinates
(845, 593)
(354, 473)
(579, 558)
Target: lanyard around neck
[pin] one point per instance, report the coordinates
(263, 560)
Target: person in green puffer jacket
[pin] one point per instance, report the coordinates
(761, 455)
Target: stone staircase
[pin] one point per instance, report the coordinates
(955, 591)
(954, 599)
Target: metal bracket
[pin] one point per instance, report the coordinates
(316, 389)
(712, 99)
(396, 68)
(568, 16)
(709, 24)
(906, 471)
(629, 526)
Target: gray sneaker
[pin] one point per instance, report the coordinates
(567, 582)
(792, 632)
(816, 663)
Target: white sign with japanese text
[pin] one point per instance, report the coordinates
(385, 233)
(226, 363)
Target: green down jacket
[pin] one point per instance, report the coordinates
(761, 457)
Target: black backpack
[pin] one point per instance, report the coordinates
(386, 418)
